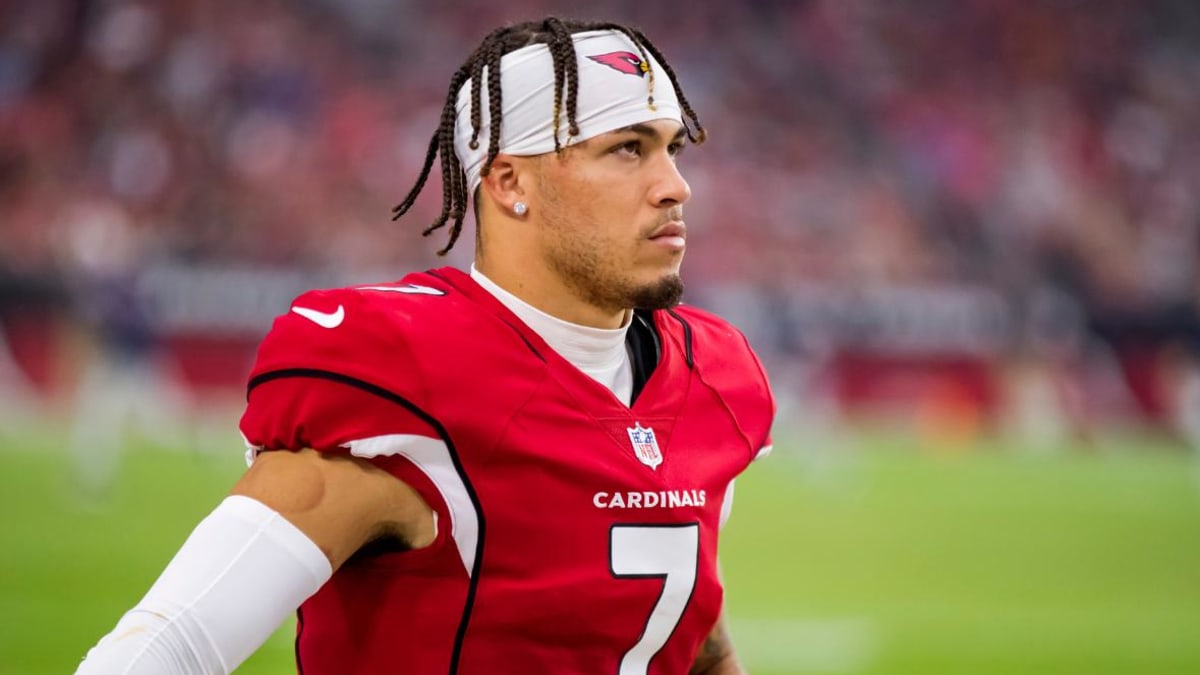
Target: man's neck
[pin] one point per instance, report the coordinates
(597, 352)
(549, 294)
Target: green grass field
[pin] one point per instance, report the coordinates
(865, 557)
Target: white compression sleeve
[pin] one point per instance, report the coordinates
(237, 577)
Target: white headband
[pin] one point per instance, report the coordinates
(613, 93)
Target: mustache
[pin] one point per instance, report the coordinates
(675, 213)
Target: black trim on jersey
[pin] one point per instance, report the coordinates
(687, 337)
(473, 579)
(645, 349)
(528, 343)
(299, 632)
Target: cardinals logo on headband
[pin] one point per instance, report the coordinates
(624, 62)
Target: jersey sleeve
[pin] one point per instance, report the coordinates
(307, 410)
(324, 388)
(332, 370)
(344, 334)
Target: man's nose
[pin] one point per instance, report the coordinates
(670, 188)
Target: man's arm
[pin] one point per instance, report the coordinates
(716, 655)
(338, 502)
(292, 520)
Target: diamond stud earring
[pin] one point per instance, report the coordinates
(520, 209)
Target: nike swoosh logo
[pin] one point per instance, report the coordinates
(415, 289)
(323, 319)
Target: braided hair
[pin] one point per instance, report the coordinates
(556, 35)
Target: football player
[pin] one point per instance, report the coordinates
(520, 468)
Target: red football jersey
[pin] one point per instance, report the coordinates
(575, 534)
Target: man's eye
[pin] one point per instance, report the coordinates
(630, 148)
(675, 149)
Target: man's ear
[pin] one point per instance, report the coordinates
(505, 182)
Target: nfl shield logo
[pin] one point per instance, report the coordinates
(644, 445)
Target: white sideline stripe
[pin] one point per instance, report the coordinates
(806, 645)
(763, 452)
(432, 457)
(727, 505)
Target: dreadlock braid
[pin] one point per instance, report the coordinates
(430, 154)
(558, 44)
(476, 85)
(453, 202)
(495, 111)
(699, 135)
(556, 34)
(436, 146)
(629, 33)
(572, 89)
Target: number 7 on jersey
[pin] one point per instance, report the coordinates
(668, 552)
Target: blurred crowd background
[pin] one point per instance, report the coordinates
(960, 214)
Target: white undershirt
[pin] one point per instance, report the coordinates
(598, 352)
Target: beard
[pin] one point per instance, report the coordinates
(662, 294)
(603, 286)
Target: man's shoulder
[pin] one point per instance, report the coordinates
(368, 325)
(419, 296)
(724, 359)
